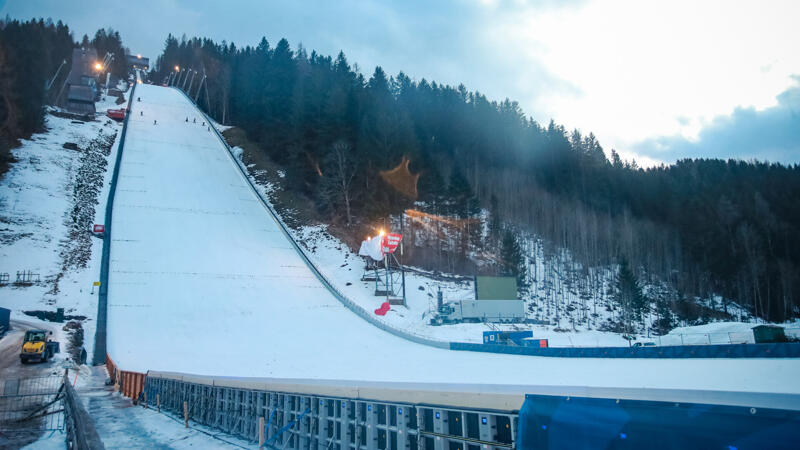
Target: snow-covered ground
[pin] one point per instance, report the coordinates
(719, 333)
(120, 424)
(41, 196)
(553, 285)
(344, 269)
(203, 281)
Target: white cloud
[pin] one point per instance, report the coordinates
(649, 68)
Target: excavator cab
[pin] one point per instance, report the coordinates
(36, 336)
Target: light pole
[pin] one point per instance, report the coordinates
(191, 82)
(402, 267)
(50, 83)
(200, 86)
(185, 78)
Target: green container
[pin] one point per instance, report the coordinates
(495, 288)
(765, 334)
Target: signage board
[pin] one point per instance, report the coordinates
(391, 241)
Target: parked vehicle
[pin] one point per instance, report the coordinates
(498, 311)
(37, 346)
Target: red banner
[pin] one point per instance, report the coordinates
(390, 242)
(99, 228)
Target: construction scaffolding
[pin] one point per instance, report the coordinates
(388, 280)
(303, 421)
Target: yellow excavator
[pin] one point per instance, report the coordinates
(37, 346)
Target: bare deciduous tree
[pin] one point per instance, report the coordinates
(339, 170)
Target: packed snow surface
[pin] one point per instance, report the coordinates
(203, 281)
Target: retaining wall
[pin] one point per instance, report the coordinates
(102, 296)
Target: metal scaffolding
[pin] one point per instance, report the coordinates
(302, 421)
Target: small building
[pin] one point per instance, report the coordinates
(764, 334)
(82, 90)
(138, 62)
(80, 100)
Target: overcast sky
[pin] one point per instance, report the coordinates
(657, 80)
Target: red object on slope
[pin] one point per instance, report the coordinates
(116, 114)
(383, 309)
(390, 242)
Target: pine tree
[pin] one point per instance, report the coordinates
(462, 200)
(511, 257)
(629, 296)
(665, 322)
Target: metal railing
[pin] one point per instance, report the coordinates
(288, 420)
(31, 404)
(721, 338)
(30, 407)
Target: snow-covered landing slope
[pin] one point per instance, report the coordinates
(203, 281)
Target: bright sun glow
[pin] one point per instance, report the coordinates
(639, 69)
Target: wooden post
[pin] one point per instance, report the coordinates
(260, 432)
(186, 414)
(158, 402)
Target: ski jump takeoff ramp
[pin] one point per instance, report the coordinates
(203, 281)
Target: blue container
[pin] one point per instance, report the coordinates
(5, 316)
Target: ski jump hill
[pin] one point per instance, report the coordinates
(203, 280)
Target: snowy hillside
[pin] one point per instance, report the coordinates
(49, 200)
(576, 303)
